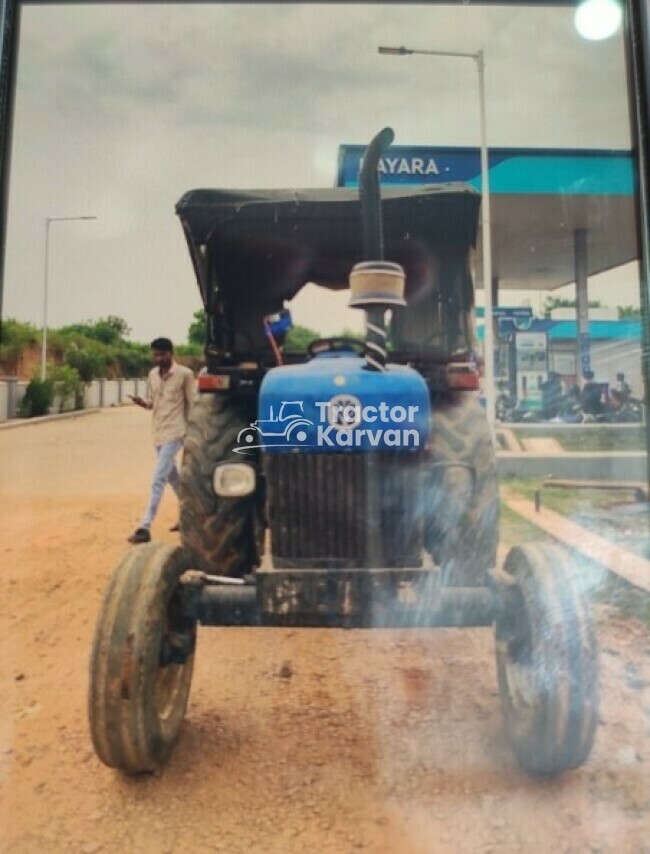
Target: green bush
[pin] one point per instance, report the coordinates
(196, 332)
(15, 338)
(299, 338)
(14, 333)
(57, 345)
(132, 360)
(68, 386)
(194, 351)
(109, 330)
(38, 399)
(89, 361)
(93, 349)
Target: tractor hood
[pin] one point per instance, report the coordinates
(334, 404)
(269, 243)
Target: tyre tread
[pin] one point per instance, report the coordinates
(125, 729)
(218, 531)
(560, 732)
(464, 546)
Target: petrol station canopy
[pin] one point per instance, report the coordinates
(539, 200)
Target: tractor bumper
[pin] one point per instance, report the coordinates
(375, 598)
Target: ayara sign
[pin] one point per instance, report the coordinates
(406, 166)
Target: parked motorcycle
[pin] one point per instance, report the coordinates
(570, 411)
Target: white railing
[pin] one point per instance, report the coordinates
(97, 394)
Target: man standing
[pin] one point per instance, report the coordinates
(552, 395)
(591, 395)
(623, 387)
(170, 396)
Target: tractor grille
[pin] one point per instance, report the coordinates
(322, 515)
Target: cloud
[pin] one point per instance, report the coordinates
(120, 109)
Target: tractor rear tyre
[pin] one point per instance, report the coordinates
(547, 661)
(462, 504)
(223, 534)
(142, 660)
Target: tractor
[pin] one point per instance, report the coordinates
(378, 509)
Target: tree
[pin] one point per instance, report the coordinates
(89, 362)
(108, 330)
(196, 332)
(559, 302)
(299, 338)
(629, 312)
(132, 360)
(118, 324)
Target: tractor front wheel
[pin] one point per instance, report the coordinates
(547, 661)
(142, 660)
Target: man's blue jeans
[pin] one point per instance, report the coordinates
(164, 472)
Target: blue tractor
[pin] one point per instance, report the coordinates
(377, 508)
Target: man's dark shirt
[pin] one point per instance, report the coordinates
(590, 398)
(551, 397)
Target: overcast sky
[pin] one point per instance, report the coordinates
(120, 110)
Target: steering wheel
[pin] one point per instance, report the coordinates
(339, 344)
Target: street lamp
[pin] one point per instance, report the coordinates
(48, 221)
(486, 225)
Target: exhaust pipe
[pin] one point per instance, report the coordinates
(370, 195)
(375, 284)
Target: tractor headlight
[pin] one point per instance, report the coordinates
(234, 480)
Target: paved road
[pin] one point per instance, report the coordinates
(378, 741)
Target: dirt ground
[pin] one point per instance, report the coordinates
(386, 741)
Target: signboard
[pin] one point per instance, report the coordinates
(529, 389)
(513, 319)
(510, 319)
(531, 361)
(512, 170)
(520, 313)
(532, 342)
(405, 164)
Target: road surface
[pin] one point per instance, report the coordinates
(386, 741)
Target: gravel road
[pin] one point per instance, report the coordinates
(295, 740)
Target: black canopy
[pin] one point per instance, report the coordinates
(264, 245)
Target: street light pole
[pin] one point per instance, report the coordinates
(48, 221)
(486, 222)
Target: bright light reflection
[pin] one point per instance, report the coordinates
(598, 19)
